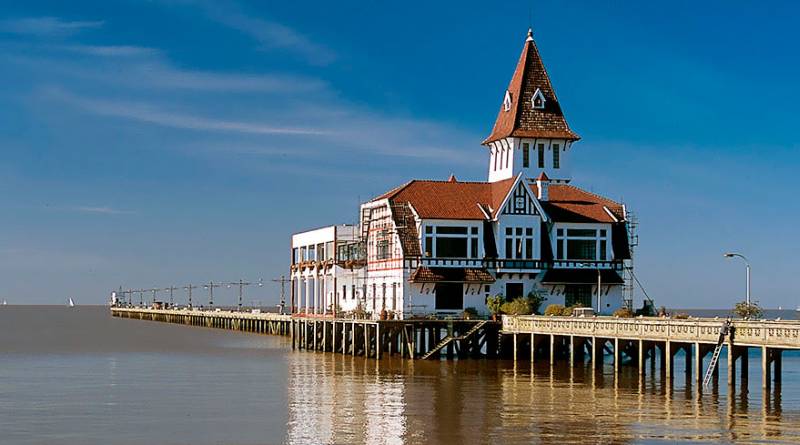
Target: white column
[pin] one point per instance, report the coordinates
(307, 293)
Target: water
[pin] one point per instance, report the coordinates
(78, 376)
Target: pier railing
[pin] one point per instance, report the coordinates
(774, 334)
(204, 313)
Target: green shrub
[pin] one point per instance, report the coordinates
(535, 299)
(470, 313)
(495, 304)
(520, 306)
(568, 311)
(623, 312)
(753, 310)
(555, 309)
(681, 316)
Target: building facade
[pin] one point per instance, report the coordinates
(439, 247)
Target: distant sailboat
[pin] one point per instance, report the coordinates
(71, 303)
(5, 303)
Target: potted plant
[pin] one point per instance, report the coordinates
(495, 305)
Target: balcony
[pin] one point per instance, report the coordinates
(505, 264)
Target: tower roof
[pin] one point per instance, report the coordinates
(518, 117)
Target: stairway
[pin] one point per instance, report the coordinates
(449, 339)
(715, 357)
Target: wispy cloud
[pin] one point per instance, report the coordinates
(110, 51)
(143, 68)
(103, 210)
(147, 113)
(46, 26)
(268, 33)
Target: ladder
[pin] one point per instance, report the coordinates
(449, 339)
(715, 357)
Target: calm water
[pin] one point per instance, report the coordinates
(81, 377)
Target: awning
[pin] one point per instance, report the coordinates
(450, 274)
(581, 276)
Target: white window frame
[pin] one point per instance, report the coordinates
(538, 93)
(562, 240)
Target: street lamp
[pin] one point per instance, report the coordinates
(747, 268)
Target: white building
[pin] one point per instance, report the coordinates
(443, 246)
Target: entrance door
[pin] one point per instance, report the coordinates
(513, 290)
(449, 296)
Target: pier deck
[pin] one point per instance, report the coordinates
(416, 339)
(640, 339)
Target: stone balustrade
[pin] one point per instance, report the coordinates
(773, 334)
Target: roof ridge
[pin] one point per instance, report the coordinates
(596, 195)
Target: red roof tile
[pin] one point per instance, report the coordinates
(568, 203)
(451, 200)
(461, 200)
(522, 120)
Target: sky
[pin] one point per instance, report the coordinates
(156, 143)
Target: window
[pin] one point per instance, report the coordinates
(451, 242)
(449, 296)
(507, 101)
(394, 296)
(537, 101)
(295, 255)
(451, 247)
(526, 159)
(519, 243)
(540, 151)
(556, 156)
(582, 244)
(382, 249)
(513, 290)
(578, 294)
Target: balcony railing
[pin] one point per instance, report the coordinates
(511, 264)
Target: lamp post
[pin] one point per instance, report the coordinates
(747, 270)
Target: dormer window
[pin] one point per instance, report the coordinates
(507, 101)
(538, 100)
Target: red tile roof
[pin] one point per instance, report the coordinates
(449, 199)
(522, 120)
(568, 203)
(461, 200)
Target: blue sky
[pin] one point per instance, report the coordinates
(170, 142)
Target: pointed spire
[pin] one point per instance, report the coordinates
(452, 178)
(522, 118)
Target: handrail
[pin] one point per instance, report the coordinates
(784, 334)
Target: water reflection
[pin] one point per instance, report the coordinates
(343, 399)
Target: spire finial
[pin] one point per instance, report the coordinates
(530, 35)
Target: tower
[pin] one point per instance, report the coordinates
(530, 134)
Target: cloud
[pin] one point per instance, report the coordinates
(269, 34)
(101, 210)
(46, 26)
(148, 113)
(110, 51)
(141, 67)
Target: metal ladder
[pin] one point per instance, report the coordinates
(715, 357)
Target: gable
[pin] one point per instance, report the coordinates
(520, 202)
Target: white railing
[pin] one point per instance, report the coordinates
(206, 313)
(782, 334)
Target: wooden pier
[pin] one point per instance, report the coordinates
(641, 339)
(415, 339)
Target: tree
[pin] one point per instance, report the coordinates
(744, 310)
(495, 304)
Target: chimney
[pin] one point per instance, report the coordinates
(542, 186)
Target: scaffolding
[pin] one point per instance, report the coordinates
(631, 224)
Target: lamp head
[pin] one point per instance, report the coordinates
(729, 255)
